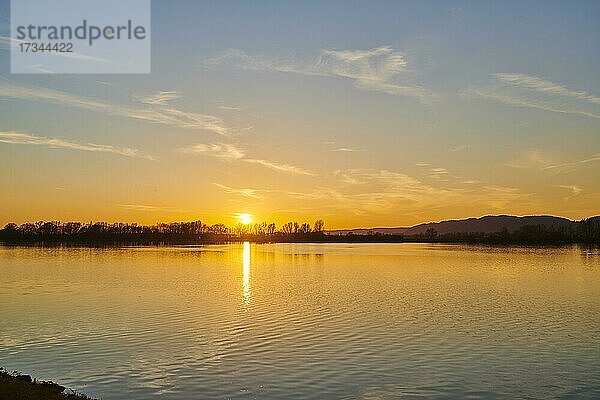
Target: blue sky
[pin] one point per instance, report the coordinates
(364, 113)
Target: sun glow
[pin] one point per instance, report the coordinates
(245, 218)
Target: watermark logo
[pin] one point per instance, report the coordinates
(80, 37)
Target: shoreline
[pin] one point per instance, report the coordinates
(15, 386)
(340, 240)
(500, 229)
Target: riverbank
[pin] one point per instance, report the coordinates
(15, 386)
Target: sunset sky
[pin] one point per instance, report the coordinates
(360, 113)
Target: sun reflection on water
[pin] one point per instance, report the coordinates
(246, 273)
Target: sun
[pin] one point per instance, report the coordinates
(245, 218)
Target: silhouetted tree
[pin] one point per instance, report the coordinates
(319, 226)
(11, 227)
(304, 228)
(288, 228)
(431, 233)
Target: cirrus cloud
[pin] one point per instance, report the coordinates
(155, 108)
(380, 69)
(55, 143)
(231, 152)
(219, 150)
(523, 90)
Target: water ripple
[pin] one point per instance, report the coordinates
(305, 321)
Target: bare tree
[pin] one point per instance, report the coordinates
(288, 228)
(319, 226)
(304, 228)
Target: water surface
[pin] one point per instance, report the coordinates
(305, 321)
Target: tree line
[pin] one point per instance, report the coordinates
(584, 231)
(176, 232)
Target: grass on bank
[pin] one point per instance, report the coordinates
(14, 386)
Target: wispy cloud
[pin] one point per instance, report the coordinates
(385, 180)
(156, 107)
(543, 86)
(496, 197)
(524, 90)
(281, 167)
(574, 189)
(541, 160)
(160, 98)
(380, 69)
(573, 165)
(253, 193)
(219, 150)
(27, 139)
(230, 152)
(230, 108)
(377, 192)
(438, 173)
(150, 208)
(531, 159)
(387, 190)
(459, 148)
(345, 150)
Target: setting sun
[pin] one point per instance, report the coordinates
(245, 218)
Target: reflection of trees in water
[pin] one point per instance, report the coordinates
(590, 255)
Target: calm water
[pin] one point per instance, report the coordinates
(300, 321)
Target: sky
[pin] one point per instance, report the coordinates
(362, 113)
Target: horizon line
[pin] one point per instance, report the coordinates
(325, 230)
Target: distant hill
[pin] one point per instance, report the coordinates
(487, 224)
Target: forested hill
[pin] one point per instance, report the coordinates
(487, 224)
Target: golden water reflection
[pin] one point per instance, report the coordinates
(246, 273)
(307, 321)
